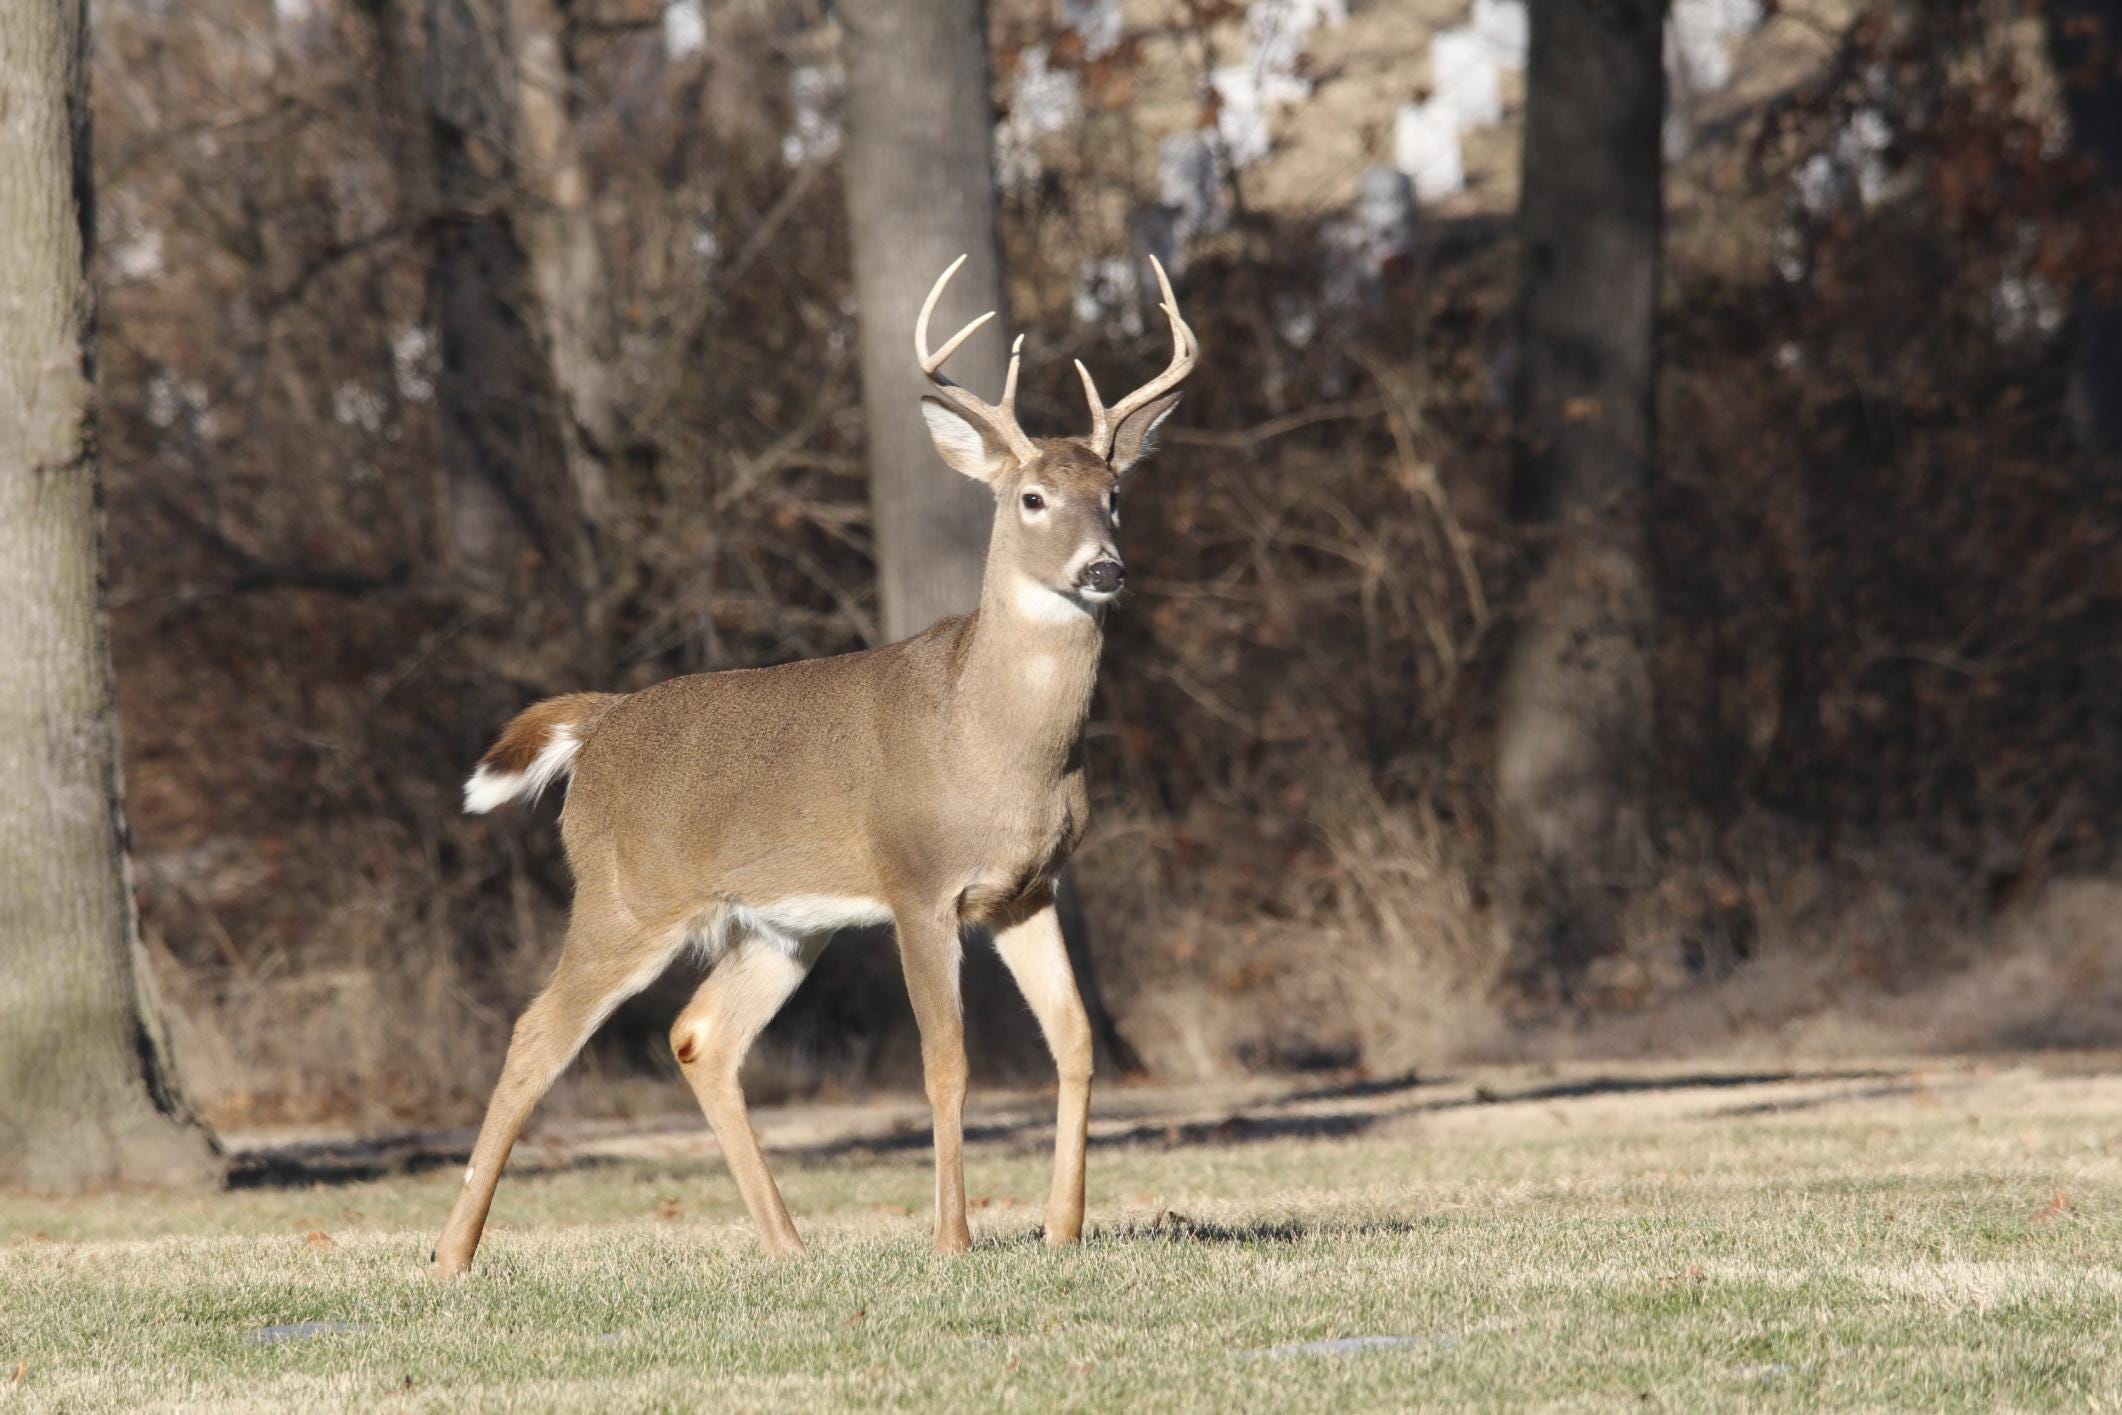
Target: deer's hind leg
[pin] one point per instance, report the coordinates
(710, 1039)
(608, 958)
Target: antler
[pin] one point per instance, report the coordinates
(1105, 423)
(1000, 420)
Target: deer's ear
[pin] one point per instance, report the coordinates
(1135, 438)
(964, 445)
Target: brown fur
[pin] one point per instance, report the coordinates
(937, 781)
(529, 730)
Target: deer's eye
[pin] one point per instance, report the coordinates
(1033, 501)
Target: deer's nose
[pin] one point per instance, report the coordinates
(1103, 576)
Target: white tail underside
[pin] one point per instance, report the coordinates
(489, 789)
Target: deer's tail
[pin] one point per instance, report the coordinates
(533, 750)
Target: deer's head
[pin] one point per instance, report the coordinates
(1057, 499)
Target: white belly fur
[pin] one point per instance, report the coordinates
(785, 924)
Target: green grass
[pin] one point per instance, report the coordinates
(1883, 1245)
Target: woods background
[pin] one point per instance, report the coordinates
(458, 353)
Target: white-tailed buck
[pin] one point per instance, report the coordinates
(936, 783)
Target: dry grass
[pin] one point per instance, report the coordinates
(1877, 1236)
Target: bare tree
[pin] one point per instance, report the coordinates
(85, 1093)
(2085, 43)
(1576, 708)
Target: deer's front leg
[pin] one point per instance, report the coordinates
(929, 952)
(1038, 960)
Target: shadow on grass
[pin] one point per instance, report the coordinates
(360, 1161)
(379, 1157)
(1177, 1228)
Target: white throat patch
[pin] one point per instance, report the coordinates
(1046, 605)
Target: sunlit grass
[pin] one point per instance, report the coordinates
(1950, 1241)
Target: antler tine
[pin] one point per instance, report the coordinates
(1098, 422)
(1105, 422)
(1009, 383)
(1000, 420)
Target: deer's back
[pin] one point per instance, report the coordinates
(756, 783)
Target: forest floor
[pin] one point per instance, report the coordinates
(1920, 1236)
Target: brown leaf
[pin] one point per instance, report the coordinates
(319, 1239)
(669, 1210)
(21, 1370)
(1582, 410)
(2058, 1206)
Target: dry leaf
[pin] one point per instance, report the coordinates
(2058, 1206)
(319, 1239)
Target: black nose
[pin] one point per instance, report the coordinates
(1104, 576)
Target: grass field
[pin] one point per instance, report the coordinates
(1893, 1237)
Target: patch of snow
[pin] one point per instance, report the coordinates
(684, 27)
(1277, 30)
(413, 363)
(139, 258)
(355, 406)
(1298, 324)
(171, 400)
(1046, 101)
(1506, 27)
(1791, 258)
(1426, 148)
(1699, 36)
(814, 93)
(1095, 22)
(1108, 293)
(1465, 78)
(1244, 98)
(1816, 181)
(1190, 182)
(1378, 230)
(2025, 308)
(1248, 94)
(1861, 147)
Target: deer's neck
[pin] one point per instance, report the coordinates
(1029, 671)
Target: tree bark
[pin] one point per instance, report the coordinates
(1575, 724)
(2085, 45)
(568, 271)
(504, 459)
(920, 192)
(86, 1096)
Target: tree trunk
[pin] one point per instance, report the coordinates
(568, 271)
(920, 192)
(504, 458)
(85, 1095)
(1575, 725)
(2085, 44)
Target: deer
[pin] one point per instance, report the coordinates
(935, 784)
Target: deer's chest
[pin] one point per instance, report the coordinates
(1025, 846)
